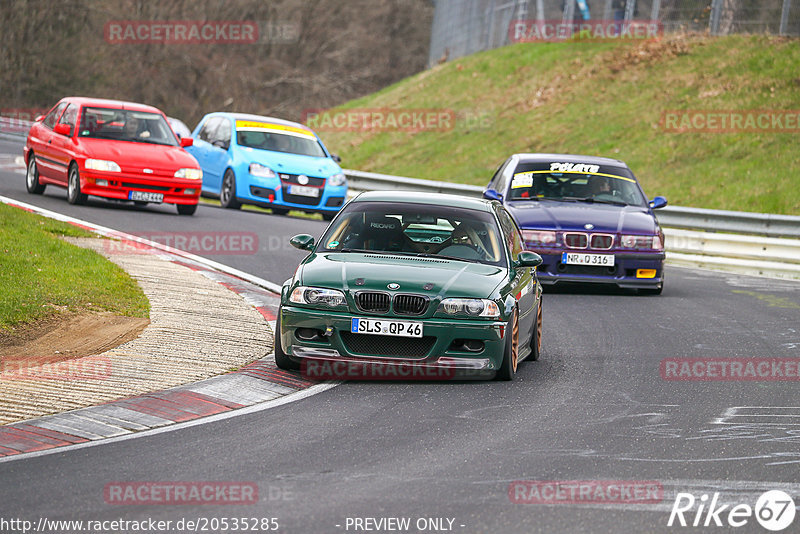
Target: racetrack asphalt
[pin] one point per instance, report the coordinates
(594, 408)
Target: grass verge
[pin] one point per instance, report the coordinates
(41, 275)
(603, 99)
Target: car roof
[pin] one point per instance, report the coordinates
(569, 158)
(424, 197)
(250, 116)
(105, 102)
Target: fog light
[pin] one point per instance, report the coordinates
(645, 273)
(101, 183)
(473, 345)
(308, 334)
(188, 191)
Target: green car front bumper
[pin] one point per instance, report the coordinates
(459, 347)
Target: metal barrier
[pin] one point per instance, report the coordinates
(691, 233)
(765, 224)
(696, 237)
(14, 129)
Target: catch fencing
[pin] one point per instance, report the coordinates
(463, 27)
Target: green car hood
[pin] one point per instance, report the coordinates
(339, 270)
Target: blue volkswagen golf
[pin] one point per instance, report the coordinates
(586, 216)
(268, 162)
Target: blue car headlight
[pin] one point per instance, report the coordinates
(261, 171)
(337, 179)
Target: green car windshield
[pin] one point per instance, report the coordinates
(417, 230)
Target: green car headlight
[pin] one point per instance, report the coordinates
(317, 296)
(470, 307)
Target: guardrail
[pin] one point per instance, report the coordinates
(728, 240)
(741, 242)
(15, 129)
(765, 224)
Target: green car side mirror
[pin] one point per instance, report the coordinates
(302, 241)
(528, 259)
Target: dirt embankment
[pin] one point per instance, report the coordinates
(65, 337)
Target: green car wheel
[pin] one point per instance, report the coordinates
(536, 335)
(511, 354)
(281, 359)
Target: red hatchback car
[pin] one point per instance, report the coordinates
(112, 149)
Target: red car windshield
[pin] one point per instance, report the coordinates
(126, 125)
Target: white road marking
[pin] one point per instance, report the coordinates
(293, 397)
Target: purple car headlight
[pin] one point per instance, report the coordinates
(639, 242)
(543, 238)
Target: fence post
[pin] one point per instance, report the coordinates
(490, 36)
(569, 12)
(713, 22)
(787, 4)
(630, 8)
(656, 9)
(607, 10)
(540, 10)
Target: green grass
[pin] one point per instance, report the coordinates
(41, 274)
(602, 99)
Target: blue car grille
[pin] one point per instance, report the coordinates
(299, 199)
(292, 179)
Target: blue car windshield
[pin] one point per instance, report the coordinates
(609, 185)
(279, 142)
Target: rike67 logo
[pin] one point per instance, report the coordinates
(774, 510)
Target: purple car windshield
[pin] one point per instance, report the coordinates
(576, 182)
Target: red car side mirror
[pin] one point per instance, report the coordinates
(186, 141)
(63, 129)
(39, 118)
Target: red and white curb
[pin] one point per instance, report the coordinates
(257, 386)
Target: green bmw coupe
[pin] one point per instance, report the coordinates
(412, 286)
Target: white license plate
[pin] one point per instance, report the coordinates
(384, 327)
(303, 190)
(580, 258)
(146, 197)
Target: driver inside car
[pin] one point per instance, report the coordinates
(601, 188)
(463, 243)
